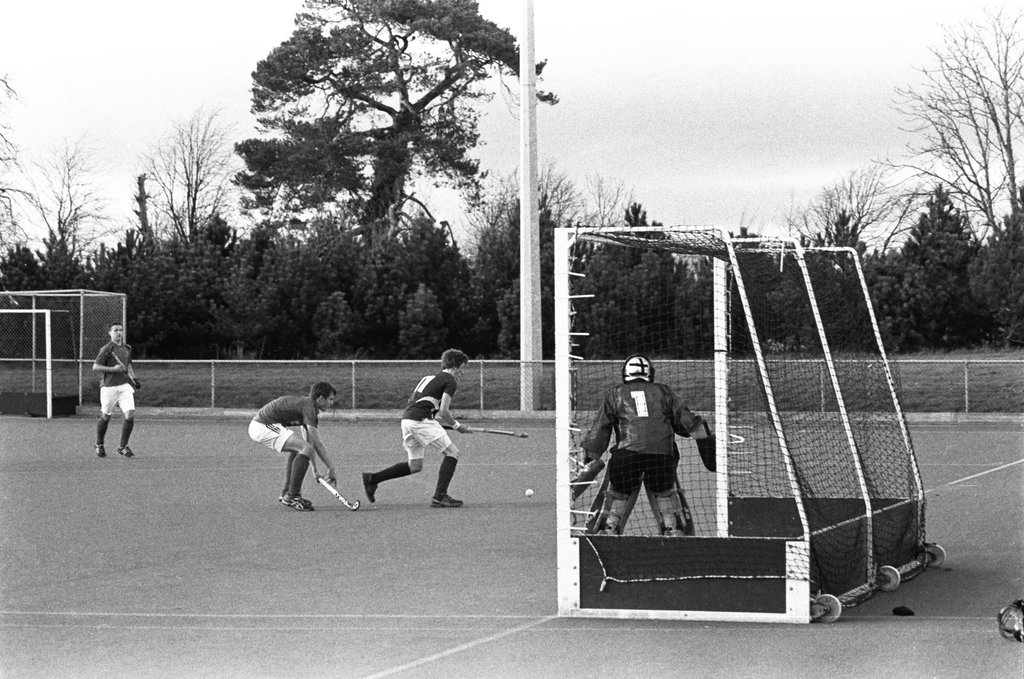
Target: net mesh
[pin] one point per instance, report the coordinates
(816, 445)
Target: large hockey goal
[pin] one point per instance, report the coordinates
(815, 500)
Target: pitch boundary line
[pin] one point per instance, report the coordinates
(458, 649)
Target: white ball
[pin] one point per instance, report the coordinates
(529, 492)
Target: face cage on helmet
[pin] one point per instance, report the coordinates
(643, 363)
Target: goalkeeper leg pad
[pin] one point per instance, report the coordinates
(586, 477)
(615, 508)
(684, 520)
(666, 509)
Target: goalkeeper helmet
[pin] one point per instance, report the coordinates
(1011, 621)
(637, 367)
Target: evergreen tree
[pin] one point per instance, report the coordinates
(997, 279)
(20, 269)
(366, 95)
(932, 305)
(422, 325)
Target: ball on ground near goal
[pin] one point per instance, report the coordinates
(529, 492)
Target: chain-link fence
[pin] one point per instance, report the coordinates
(938, 386)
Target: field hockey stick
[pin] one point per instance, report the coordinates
(131, 380)
(354, 505)
(503, 432)
(483, 430)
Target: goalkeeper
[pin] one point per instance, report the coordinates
(645, 417)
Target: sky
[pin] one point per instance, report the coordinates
(712, 113)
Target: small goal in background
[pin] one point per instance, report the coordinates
(48, 340)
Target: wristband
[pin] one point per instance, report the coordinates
(456, 425)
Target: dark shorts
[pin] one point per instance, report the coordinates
(627, 470)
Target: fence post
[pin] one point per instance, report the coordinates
(353, 364)
(213, 384)
(967, 394)
(821, 386)
(481, 387)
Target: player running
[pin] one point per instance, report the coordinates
(645, 417)
(423, 422)
(270, 427)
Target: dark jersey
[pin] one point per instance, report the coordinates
(645, 417)
(105, 357)
(289, 411)
(426, 397)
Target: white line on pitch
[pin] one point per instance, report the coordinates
(974, 476)
(458, 649)
(255, 616)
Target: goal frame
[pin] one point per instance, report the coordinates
(47, 358)
(801, 605)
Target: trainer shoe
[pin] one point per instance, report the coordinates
(369, 487)
(100, 450)
(297, 502)
(125, 452)
(445, 501)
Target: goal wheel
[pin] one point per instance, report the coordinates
(826, 608)
(935, 555)
(888, 578)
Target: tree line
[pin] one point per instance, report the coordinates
(327, 291)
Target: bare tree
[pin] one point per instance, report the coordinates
(10, 231)
(967, 116)
(192, 169)
(864, 206)
(498, 203)
(64, 200)
(607, 201)
(7, 148)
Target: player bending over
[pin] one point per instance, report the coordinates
(645, 417)
(423, 422)
(270, 427)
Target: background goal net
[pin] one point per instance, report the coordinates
(814, 482)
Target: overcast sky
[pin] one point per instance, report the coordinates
(710, 112)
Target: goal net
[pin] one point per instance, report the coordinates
(812, 486)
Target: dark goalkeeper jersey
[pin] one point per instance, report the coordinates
(426, 397)
(289, 411)
(645, 416)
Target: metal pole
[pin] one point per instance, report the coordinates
(530, 345)
(49, 365)
(81, 344)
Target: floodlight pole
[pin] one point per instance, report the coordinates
(530, 343)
